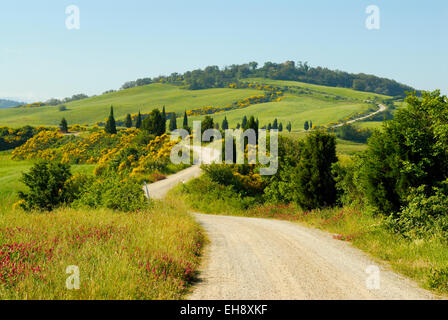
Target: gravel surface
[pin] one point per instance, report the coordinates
(265, 259)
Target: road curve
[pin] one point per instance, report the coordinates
(159, 189)
(261, 259)
(382, 108)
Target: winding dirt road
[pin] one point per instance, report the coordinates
(382, 108)
(266, 259)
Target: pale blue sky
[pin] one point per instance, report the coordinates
(124, 40)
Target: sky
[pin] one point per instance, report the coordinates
(119, 41)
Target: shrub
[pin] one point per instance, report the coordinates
(410, 151)
(425, 215)
(114, 193)
(49, 186)
(312, 179)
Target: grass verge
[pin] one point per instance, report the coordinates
(143, 255)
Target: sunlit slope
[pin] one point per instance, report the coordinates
(294, 109)
(319, 104)
(146, 98)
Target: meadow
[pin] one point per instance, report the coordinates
(321, 105)
(145, 98)
(146, 254)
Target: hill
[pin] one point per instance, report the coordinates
(4, 103)
(297, 103)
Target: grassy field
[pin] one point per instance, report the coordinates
(342, 92)
(146, 98)
(149, 254)
(294, 108)
(11, 172)
(141, 255)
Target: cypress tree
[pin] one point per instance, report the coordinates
(275, 125)
(225, 124)
(63, 126)
(164, 119)
(306, 126)
(280, 127)
(311, 124)
(185, 123)
(269, 126)
(243, 124)
(154, 123)
(173, 123)
(128, 121)
(138, 123)
(288, 127)
(111, 127)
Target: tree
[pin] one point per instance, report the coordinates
(138, 122)
(269, 126)
(206, 124)
(173, 122)
(312, 179)
(275, 125)
(164, 119)
(244, 122)
(63, 126)
(311, 125)
(154, 123)
(48, 184)
(185, 123)
(128, 121)
(225, 124)
(306, 126)
(289, 127)
(280, 127)
(111, 127)
(238, 125)
(411, 151)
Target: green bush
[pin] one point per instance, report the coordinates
(208, 196)
(426, 214)
(112, 192)
(410, 151)
(312, 180)
(49, 186)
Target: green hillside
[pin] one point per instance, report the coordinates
(319, 104)
(146, 98)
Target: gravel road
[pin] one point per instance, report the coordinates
(261, 259)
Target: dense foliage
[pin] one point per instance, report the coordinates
(214, 77)
(411, 151)
(13, 138)
(49, 186)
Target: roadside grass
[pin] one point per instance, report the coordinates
(142, 255)
(150, 254)
(425, 261)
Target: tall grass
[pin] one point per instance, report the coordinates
(142, 255)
